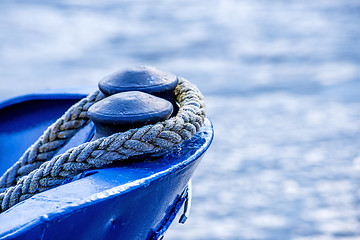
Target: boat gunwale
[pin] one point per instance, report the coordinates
(60, 212)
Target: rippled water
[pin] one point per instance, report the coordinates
(281, 80)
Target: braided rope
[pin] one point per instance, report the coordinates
(157, 138)
(55, 137)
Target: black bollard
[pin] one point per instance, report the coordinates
(144, 79)
(127, 110)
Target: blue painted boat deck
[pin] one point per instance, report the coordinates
(281, 82)
(125, 200)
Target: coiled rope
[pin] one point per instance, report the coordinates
(37, 170)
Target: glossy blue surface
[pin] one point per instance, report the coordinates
(144, 79)
(281, 84)
(23, 119)
(124, 201)
(126, 110)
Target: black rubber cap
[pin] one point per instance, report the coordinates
(126, 110)
(144, 79)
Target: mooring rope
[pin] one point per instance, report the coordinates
(46, 174)
(55, 137)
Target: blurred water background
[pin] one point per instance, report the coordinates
(281, 81)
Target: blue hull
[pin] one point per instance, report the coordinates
(134, 200)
